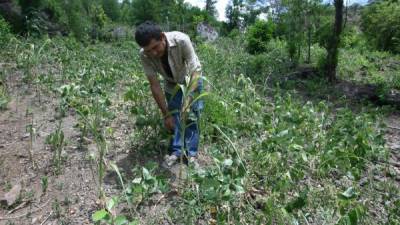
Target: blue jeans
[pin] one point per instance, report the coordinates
(190, 141)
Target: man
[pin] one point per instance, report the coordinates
(171, 54)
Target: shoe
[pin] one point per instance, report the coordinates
(193, 161)
(170, 160)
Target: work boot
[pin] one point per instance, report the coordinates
(169, 160)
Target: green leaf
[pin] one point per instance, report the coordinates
(120, 220)
(304, 156)
(349, 193)
(298, 202)
(227, 162)
(227, 194)
(297, 147)
(134, 223)
(146, 174)
(100, 215)
(283, 133)
(239, 189)
(137, 180)
(111, 203)
(353, 217)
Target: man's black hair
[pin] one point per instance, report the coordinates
(147, 31)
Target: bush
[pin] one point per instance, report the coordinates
(234, 33)
(273, 61)
(379, 21)
(5, 33)
(323, 33)
(77, 21)
(352, 38)
(4, 97)
(258, 35)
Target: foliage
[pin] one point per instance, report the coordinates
(5, 32)
(370, 67)
(107, 216)
(57, 143)
(258, 35)
(111, 8)
(78, 22)
(99, 20)
(293, 23)
(378, 22)
(272, 157)
(353, 38)
(233, 15)
(323, 33)
(4, 98)
(210, 8)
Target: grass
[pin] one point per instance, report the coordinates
(276, 158)
(4, 98)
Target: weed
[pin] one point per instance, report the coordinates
(56, 142)
(32, 137)
(44, 182)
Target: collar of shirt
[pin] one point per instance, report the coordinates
(170, 40)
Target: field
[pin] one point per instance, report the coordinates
(82, 141)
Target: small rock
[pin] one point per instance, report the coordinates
(34, 220)
(395, 146)
(363, 181)
(11, 197)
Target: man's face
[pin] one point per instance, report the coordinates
(156, 48)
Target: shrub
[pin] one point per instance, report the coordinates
(5, 33)
(259, 35)
(77, 22)
(378, 21)
(273, 61)
(352, 38)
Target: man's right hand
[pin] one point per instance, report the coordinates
(169, 123)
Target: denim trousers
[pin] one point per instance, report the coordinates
(190, 140)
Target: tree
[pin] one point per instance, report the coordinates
(210, 8)
(78, 21)
(333, 43)
(28, 5)
(253, 8)
(313, 12)
(126, 15)
(258, 35)
(112, 9)
(380, 21)
(143, 10)
(294, 25)
(233, 14)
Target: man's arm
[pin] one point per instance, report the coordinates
(158, 94)
(159, 97)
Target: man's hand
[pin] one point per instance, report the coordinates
(169, 123)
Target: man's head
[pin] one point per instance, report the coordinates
(150, 37)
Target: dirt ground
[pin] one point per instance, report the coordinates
(71, 197)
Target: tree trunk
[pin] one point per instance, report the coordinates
(333, 44)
